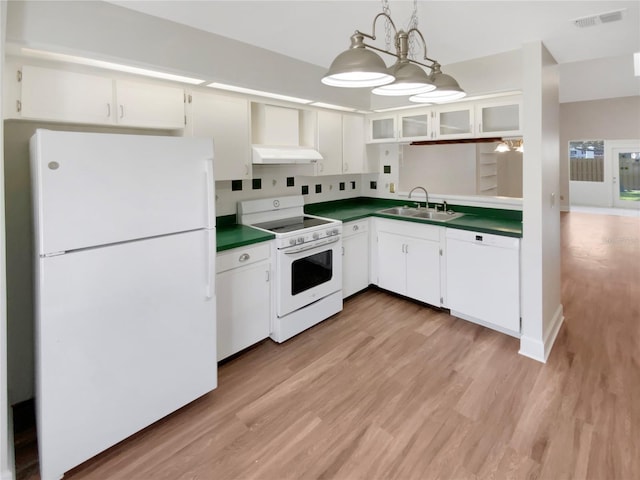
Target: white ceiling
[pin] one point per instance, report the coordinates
(455, 31)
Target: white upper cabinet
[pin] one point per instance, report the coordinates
(417, 126)
(353, 146)
(273, 125)
(72, 97)
(329, 143)
(455, 121)
(141, 104)
(225, 119)
(499, 117)
(61, 96)
(383, 129)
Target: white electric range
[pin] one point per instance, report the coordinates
(308, 262)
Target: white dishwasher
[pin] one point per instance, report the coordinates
(483, 279)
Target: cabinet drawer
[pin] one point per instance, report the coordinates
(350, 229)
(408, 228)
(239, 257)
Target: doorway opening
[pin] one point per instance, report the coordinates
(604, 174)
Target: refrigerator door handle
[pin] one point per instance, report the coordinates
(210, 185)
(210, 288)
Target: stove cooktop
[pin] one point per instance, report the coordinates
(294, 224)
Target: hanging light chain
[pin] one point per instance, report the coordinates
(413, 23)
(388, 38)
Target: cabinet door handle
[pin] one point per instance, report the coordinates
(121, 111)
(267, 276)
(346, 167)
(211, 264)
(343, 251)
(108, 110)
(246, 170)
(244, 257)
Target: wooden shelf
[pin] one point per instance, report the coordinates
(461, 140)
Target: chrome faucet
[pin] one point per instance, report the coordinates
(426, 194)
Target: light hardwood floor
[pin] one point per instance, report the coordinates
(392, 389)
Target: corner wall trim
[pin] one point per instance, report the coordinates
(537, 349)
(6, 475)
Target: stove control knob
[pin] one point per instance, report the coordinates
(329, 233)
(316, 235)
(335, 231)
(292, 241)
(300, 240)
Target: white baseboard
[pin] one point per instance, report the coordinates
(7, 475)
(7, 472)
(538, 349)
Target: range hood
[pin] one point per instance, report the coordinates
(284, 155)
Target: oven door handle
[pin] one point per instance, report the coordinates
(304, 248)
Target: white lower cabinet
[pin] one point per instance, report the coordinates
(483, 279)
(408, 260)
(243, 295)
(355, 257)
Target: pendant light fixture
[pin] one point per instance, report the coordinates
(446, 88)
(360, 67)
(357, 67)
(509, 144)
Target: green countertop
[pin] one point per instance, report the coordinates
(232, 236)
(485, 220)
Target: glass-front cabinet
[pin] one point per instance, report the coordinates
(383, 129)
(499, 117)
(417, 125)
(455, 122)
(493, 117)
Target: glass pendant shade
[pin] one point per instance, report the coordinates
(410, 80)
(357, 68)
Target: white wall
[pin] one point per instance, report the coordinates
(447, 169)
(607, 119)
(510, 174)
(597, 79)
(6, 438)
(540, 254)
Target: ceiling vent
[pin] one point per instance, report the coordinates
(593, 20)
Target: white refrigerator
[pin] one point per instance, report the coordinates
(125, 293)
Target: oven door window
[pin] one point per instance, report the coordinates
(311, 271)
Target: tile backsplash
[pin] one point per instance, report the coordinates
(276, 181)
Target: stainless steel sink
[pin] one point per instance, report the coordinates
(439, 216)
(402, 211)
(427, 214)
